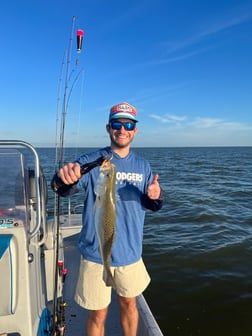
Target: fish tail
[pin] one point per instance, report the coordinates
(108, 278)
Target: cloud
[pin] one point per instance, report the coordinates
(168, 118)
(212, 27)
(206, 122)
(173, 131)
(200, 122)
(215, 123)
(177, 58)
(217, 27)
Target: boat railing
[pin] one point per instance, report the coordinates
(24, 144)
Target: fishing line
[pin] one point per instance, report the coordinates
(79, 113)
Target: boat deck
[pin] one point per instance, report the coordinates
(75, 316)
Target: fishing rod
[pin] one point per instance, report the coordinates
(58, 185)
(59, 305)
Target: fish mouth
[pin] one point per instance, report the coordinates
(107, 158)
(106, 163)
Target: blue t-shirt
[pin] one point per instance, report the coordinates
(133, 175)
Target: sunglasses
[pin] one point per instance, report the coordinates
(117, 125)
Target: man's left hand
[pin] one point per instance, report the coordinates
(153, 191)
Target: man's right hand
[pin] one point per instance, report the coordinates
(70, 173)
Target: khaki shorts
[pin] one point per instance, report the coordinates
(91, 291)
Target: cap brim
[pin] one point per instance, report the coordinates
(123, 116)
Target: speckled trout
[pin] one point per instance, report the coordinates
(105, 216)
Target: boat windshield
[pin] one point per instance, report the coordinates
(13, 189)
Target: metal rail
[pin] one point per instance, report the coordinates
(37, 182)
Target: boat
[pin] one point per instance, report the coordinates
(39, 257)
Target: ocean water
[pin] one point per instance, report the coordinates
(198, 248)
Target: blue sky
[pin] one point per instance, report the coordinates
(185, 65)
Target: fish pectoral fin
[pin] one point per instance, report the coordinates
(97, 203)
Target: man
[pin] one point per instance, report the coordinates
(137, 190)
